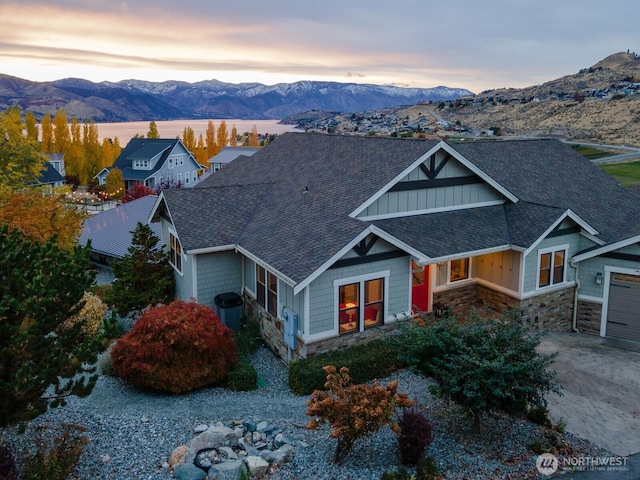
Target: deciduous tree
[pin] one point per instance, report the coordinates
(354, 411)
(47, 134)
(40, 362)
(222, 137)
(137, 190)
(61, 137)
(31, 126)
(233, 138)
(153, 130)
(254, 138)
(210, 140)
(189, 139)
(114, 184)
(41, 217)
(21, 161)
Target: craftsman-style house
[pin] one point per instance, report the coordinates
(156, 163)
(333, 239)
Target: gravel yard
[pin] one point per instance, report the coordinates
(132, 432)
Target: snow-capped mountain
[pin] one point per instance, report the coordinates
(137, 100)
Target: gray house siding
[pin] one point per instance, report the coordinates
(218, 272)
(322, 301)
(420, 200)
(184, 282)
(589, 268)
(531, 260)
(286, 298)
(250, 276)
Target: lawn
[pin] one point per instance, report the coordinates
(628, 174)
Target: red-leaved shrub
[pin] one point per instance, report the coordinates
(176, 348)
(416, 434)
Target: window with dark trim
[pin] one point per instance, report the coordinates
(552, 266)
(261, 285)
(272, 294)
(175, 256)
(459, 270)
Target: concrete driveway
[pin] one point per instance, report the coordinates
(601, 390)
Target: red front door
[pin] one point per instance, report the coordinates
(419, 287)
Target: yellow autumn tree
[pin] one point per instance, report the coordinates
(189, 139)
(201, 152)
(210, 140)
(47, 133)
(153, 130)
(91, 152)
(73, 153)
(21, 161)
(254, 137)
(39, 217)
(233, 138)
(31, 126)
(222, 138)
(61, 137)
(114, 184)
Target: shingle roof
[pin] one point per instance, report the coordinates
(289, 203)
(143, 149)
(110, 231)
(50, 175)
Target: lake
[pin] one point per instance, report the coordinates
(125, 131)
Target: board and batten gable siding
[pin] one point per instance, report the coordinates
(217, 273)
(435, 198)
(499, 268)
(530, 281)
(322, 301)
(590, 267)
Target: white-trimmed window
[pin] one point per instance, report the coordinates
(459, 270)
(195, 176)
(552, 266)
(267, 290)
(141, 164)
(179, 178)
(361, 302)
(170, 162)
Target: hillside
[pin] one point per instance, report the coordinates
(600, 103)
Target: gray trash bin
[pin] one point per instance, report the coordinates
(229, 309)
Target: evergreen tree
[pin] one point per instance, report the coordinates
(41, 360)
(144, 275)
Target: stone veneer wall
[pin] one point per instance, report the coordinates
(459, 299)
(272, 329)
(549, 311)
(350, 339)
(589, 317)
(496, 301)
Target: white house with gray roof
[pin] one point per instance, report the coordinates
(350, 234)
(155, 162)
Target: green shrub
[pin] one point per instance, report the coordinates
(425, 470)
(481, 365)
(243, 377)
(249, 338)
(56, 461)
(365, 362)
(176, 348)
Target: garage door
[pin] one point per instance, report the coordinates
(623, 312)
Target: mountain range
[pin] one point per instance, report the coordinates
(137, 100)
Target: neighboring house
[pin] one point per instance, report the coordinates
(353, 233)
(53, 174)
(226, 156)
(110, 231)
(156, 163)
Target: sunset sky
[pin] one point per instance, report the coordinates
(470, 44)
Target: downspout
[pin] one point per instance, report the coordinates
(574, 316)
